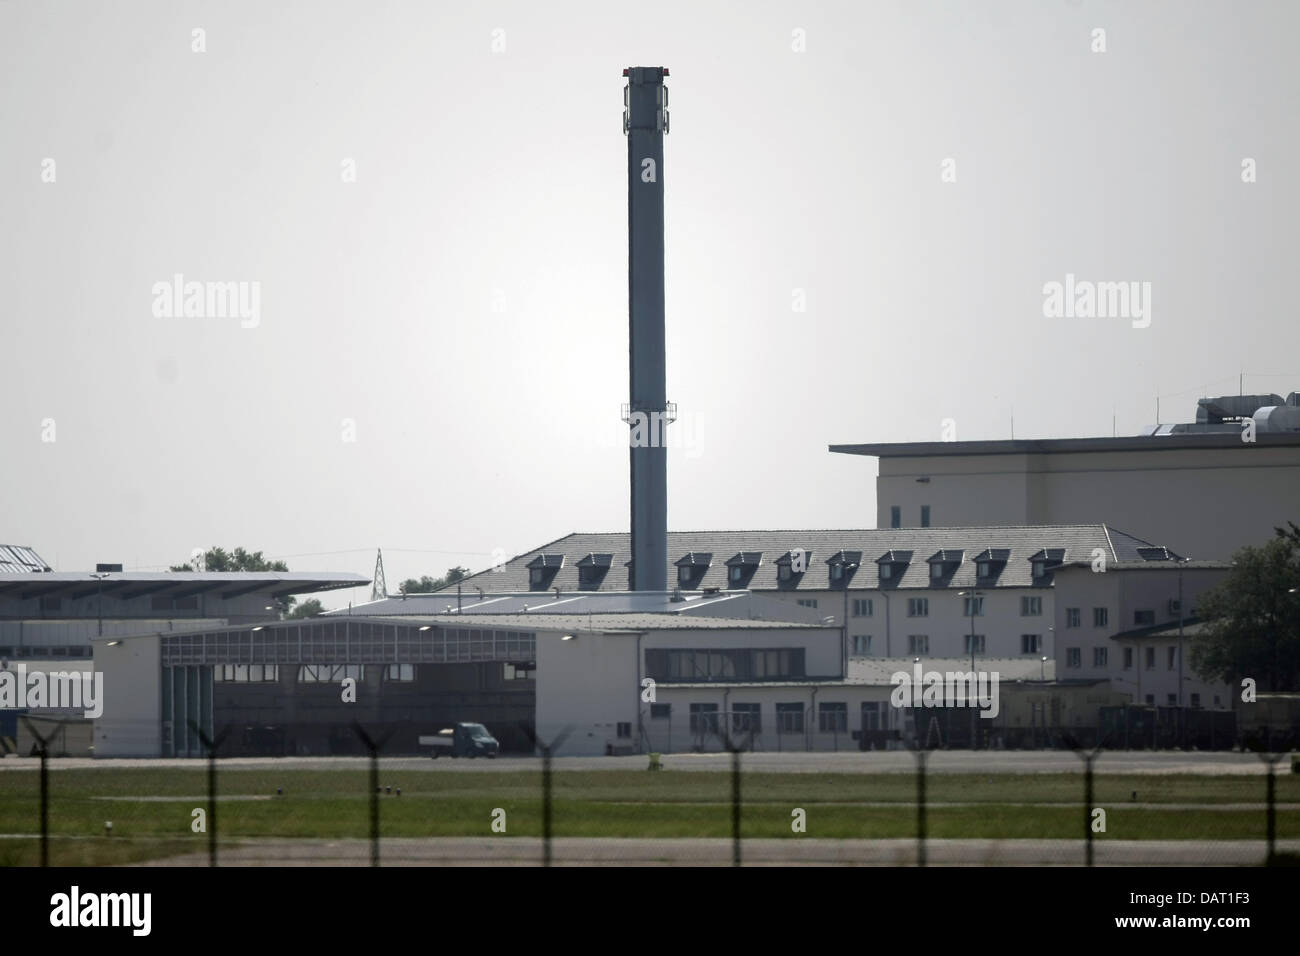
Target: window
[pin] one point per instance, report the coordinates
(1073, 657)
(1173, 657)
(918, 644)
(1031, 643)
(1171, 700)
(1071, 617)
(784, 572)
(245, 673)
(1196, 700)
(895, 516)
(1100, 616)
(1151, 658)
(1031, 606)
(979, 643)
(704, 718)
(871, 715)
(886, 571)
(789, 718)
(329, 673)
(703, 664)
(1099, 656)
(518, 671)
(807, 602)
(918, 607)
(925, 516)
(1144, 618)
(1128, 658)
(862, 645)
(736, 573)
(983, 569)
(1151, 698)
(661, 711)
(972, 607)
(624, 729)
(401, 672)
(59, 651)
(832, 717)
(746, 718)
(862, 607)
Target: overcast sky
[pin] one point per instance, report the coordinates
(460, 310)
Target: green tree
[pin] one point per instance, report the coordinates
(427, 585)
(308, 608)
(1252, 618)
(219, 559)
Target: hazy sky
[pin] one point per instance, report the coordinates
(460, 309)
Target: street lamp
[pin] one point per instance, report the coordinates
(99, 599)
(1182, 713)
(970, 597)
(1042, 668)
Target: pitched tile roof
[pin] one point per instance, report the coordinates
(1064, 542)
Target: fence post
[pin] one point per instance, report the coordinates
(921, 756)
(731, 745)
(1088, 758)
(44, 753)
(547, 749)
(211, 745)
(373, 746)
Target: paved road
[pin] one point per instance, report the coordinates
(941, 761)
(572, 851)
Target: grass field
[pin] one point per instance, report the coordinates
(151, 808)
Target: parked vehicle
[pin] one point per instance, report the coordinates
(462, 740)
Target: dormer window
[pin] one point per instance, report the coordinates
(1157, 554)
(843, 565)
(742, 566)
(791, 566)
(1045, 562)
(542, 570)
(943, 564)
(691, 569)
(990, 562)
(592, 570)
(893, 565)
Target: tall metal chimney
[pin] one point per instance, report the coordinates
(645, 121)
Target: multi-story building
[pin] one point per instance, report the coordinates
(1169, 484)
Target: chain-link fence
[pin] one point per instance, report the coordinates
(1080, 805)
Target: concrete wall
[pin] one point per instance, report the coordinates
(1177, 498)
(131, 723)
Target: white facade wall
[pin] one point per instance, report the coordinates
(48, 633)
(1172, 497)
(675, 733)
(1124, 593)
(589, 685)
(946, 626)
(131, 725)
